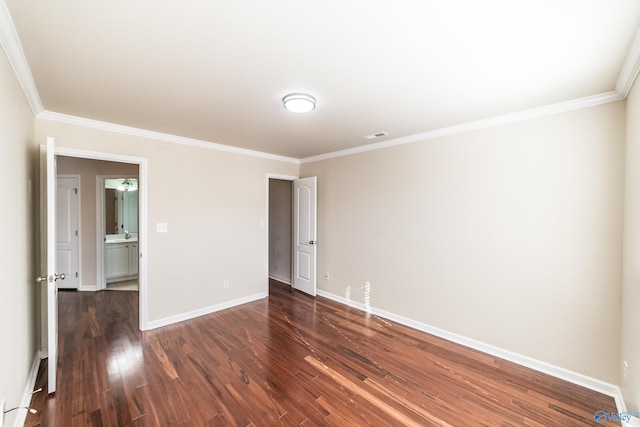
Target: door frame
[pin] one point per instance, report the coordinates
(270, 176)
(143, 188)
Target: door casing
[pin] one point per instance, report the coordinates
(143, 188)
(285, 178)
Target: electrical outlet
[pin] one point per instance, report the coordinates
(3, 407)
(226, 283)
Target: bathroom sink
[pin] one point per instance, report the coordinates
(133, 239)
(120, 238)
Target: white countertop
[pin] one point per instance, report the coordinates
(120, 238)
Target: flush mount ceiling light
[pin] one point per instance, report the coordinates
(299, 102)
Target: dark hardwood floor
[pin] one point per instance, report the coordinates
(286, 360)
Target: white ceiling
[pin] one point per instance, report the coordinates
(216, 71)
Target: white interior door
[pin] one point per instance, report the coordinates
(49, 276)
(304, 234)
(67, 230)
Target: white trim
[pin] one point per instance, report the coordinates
(266, 215)
(142, 215)
(630, 68)
(10, 41)
(159, 136)
(28, 389)
(96, 155)
(343, 300)
(557, 108)
(100, 279)
(633, 422)
(544, 367)
(166, 321)
(79, 231)
(143, 204)
(281, 177)
(561, 107)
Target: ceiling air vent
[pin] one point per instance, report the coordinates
(376, 135)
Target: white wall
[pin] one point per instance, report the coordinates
(213, 202)
(511, 235)
(17, 285)
(631, 273)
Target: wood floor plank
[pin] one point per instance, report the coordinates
(286, 360)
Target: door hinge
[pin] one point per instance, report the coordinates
(76, 274)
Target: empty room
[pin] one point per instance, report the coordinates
(335, 213)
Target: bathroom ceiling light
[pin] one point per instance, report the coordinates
(299, 102)
(127, 185)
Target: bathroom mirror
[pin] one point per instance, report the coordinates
(121, 205)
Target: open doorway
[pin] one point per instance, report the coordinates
(280, 230)
(52, 158)
(117, 211)
(96, 165)
(292, 232)
(91, 229)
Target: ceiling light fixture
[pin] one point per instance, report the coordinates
(127, 185)
(299, 102)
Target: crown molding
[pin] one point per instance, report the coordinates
(561, 107)
(15, 55)
(159, 136)
(630, 68)
(12, 46)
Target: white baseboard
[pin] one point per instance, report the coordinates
(632, 422)
(547, 368)
(285, 280)
(28, 390)
(202, 311)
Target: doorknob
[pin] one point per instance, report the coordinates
(53, 278)
(313, 242)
